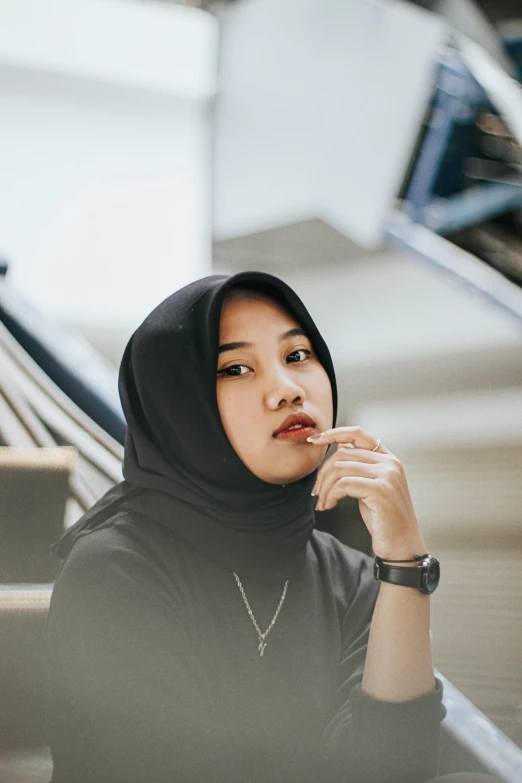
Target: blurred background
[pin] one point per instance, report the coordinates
(369, 152)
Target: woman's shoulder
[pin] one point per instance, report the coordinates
(122, 533)
(121, 549)
(112, 594)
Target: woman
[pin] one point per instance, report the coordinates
(201, 629)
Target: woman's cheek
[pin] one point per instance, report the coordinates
(225, 402)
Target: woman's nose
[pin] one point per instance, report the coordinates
(282, 388)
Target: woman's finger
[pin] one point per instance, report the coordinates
(349, 486)
(356, 435)
(342, 453)
(341, 469)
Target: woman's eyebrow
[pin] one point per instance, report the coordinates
(295, 332)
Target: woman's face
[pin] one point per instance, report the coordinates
(267, 372)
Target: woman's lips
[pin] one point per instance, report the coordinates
(298, 433)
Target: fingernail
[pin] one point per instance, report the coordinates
(311, 438)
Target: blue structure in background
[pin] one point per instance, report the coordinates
(434, 196)
(436, 204)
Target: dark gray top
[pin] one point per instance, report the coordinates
(155, 673)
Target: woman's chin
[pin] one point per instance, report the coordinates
(300, 472)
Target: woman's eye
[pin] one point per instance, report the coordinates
(300, 351)
(233, 371)
(236, 370)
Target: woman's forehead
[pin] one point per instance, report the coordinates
(254, 312)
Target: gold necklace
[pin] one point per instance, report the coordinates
(262, 636)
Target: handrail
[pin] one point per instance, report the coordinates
(38, 433)
(417, 240)
(475, 732)
(24, 412)
(71, 362)
(26, 363)
(52, 417)
(12, 431)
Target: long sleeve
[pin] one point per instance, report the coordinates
(127, 704)
(372, 741)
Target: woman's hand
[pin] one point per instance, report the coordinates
(378, 480)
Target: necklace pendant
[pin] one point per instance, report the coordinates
(261, 648)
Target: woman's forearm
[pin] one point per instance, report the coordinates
(399, 663)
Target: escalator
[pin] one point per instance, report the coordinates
(56, 460)
(62, 429)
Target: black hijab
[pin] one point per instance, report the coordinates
(179, 466)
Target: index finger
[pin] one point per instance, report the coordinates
(356, 435)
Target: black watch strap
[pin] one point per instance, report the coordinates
(397, 575)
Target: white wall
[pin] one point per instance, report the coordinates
(320, 105)
(105, 154)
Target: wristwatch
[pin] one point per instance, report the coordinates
(424, 577)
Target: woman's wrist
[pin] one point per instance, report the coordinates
(406, 551)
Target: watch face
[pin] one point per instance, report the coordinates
(433, 575)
